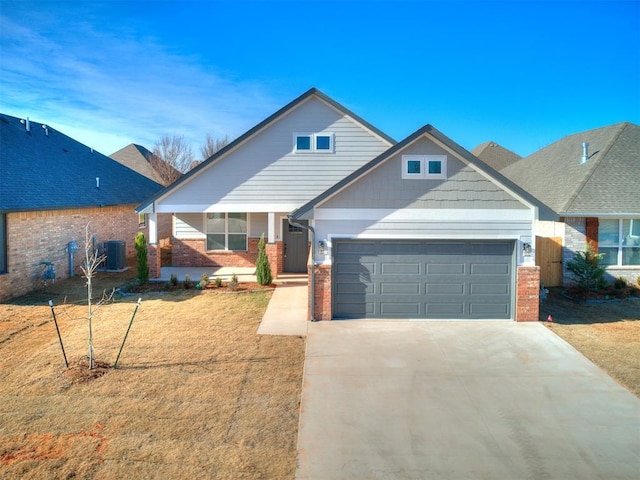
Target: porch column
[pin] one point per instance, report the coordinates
(153, 249)
(271, 233)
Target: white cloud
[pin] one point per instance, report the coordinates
(108, 88)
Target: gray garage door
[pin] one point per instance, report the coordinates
(423, 279)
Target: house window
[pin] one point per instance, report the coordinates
(227, 231)
(3, 243)
(424, 167)
(313, 142)
(619, 241)
(142, 220)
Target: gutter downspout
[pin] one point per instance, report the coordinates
(312, 302)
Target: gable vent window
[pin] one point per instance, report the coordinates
(424, 167)
(313, 143)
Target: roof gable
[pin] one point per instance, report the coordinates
(43, 169)
(502, 190)
(260, 168)
(607, 184)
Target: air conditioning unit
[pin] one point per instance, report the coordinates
(116, 253)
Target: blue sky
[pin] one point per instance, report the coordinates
(523, 74)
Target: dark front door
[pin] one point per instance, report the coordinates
(296, 246)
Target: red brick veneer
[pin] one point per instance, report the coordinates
(528, 294)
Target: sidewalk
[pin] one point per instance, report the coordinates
(286, 313)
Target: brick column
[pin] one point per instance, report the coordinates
(153, 260)
(276, 262)
(528, 294)
(322, 294)
(592, 233)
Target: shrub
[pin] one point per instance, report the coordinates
(173, 280)
(587, 269)
(187, 284)
(620, 283)
(233, 283)
(141, 256)
(263, 269)
(218, 282)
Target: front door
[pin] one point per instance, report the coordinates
(296, 246)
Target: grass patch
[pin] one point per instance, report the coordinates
(196, 393)
(608, 334)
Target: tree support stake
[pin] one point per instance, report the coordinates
(126, 334)
(58, 330)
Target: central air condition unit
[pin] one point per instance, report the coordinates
(116, 253)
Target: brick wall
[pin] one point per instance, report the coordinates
(34, 237)
(193, 253)
(527, 294)
(322, 294)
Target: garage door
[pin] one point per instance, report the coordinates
(423, 279)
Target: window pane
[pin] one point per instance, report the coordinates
(413, 166)
(608, 232)
(630, 255)
(435, 167)
(303, 142)
(610, 255)
(323, 142)
(237, 242)
(215, 241)
(237, 223)
(215, 222)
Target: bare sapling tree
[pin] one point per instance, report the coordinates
(172, 157)
(213, 145)
(91, 264)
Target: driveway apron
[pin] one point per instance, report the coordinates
(459, 400)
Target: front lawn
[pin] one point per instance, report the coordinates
(197, 394)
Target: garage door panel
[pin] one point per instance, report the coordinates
(407, 288)
(489, 269)
(405, 309)
(430, 279)
(390, 268)
(444, 310)
(489, 289)
(445, 269)
(445, 288)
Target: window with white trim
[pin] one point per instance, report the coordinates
(424, 167)
(313, 143)
(226, 231)
(142, 220)
(619, 241)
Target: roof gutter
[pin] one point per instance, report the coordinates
(312, 302)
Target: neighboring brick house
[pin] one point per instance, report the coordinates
(51, 187)
(419, 229)
(591, 180)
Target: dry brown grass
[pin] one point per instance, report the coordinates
(608, 334)
(197, 394)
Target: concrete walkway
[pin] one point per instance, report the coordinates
(459, 400)
(286, 313)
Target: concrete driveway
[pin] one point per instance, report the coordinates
(460, 400)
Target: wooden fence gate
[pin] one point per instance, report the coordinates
(549, 259)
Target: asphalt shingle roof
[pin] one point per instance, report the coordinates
(607, 184)
(136, 157)
(495, 155)
(43, 169)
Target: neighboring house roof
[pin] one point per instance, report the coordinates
(43, 169)
(322, 173)
(494, 155)
(138, 158)
(543, 211)
(607, 184)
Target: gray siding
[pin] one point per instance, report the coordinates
(384, 187)
(189, 225)
(266, 171)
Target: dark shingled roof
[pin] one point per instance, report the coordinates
(607, 184)
(138, 158)
(40, 171)
(494, 155)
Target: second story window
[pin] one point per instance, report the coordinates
(313, 143)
